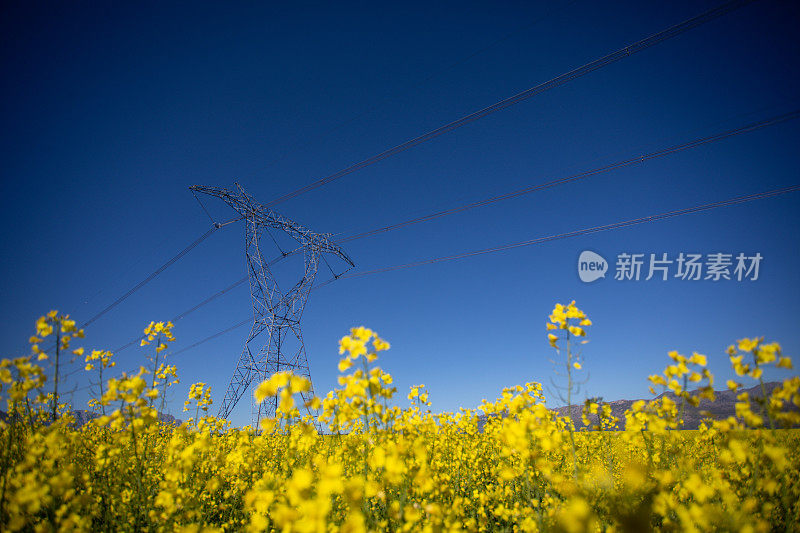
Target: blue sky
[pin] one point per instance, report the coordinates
(110, 112)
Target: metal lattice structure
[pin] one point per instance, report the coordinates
(276, 312)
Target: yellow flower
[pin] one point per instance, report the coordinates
(381, 467)
(299, 384)
(578, 332)
(314, 403)
(280, 379)
(264, 390)
(747, 345)
(380, 344)
(268, 424)
(43, 327)
(698, 359)
(361, 333)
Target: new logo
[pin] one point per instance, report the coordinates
(591, 266)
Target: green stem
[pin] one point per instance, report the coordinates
(139, 467)
(683, 403)
(6, 466)
(55, 375)
(764, 404)
(569, 408)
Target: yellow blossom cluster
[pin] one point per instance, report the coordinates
(568, 318)
(158, 330)
(513, 464)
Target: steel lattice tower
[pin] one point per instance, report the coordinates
(276, 312)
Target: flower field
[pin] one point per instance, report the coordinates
(513, 464)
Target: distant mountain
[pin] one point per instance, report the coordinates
(721, 408)
(82, 417)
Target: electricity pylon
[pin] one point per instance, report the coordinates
(276, 312)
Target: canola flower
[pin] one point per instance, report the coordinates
(512, 465)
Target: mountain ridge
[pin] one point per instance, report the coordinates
(722, 407)
(84, 416)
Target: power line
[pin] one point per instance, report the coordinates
(131, 267)
(601, 62)
(203, 207)
(148, 279)
(555, 82)
(142, 283)
(205, 302)
(188, 311)
(581, 175)
(187, 348)
(749, 128)
(586, 231)
(153, 275)
(215, 335)
(432, 76)
(211, 337)
(541, 240)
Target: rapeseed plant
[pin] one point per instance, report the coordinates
(513, 464)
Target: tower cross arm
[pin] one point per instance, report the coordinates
(248, 208)
(237, 202)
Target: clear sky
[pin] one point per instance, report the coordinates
(110, 111)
